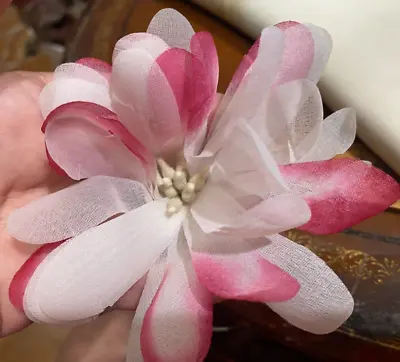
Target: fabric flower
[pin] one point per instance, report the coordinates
(190, 199)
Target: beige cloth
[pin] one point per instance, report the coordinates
(364, 69)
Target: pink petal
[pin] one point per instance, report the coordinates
(323, 302)
(173, 27)
(144, 101)
(152, 44)
(69, 212)
(24, 274)
(193, 86)
(298, 56)
(178, 324)
(245, 276)
(340, 192)
(98, 65)
(85, 139)
(203, 48)
(72, 283)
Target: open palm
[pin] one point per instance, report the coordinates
(25, 175)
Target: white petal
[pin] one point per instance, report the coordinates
(173, 27)
(69, 212)
(322, 51)
(144, 101)
(245, 163)
(92, 271)
(291, 122)
(338, 134)
(323, 303)
(217, 213)
(62, 91)
(252, 90)
(152, 44)
(79, 71)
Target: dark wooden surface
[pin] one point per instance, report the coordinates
(367, 257)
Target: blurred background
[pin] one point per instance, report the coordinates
(34, 33)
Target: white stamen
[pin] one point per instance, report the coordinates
(189, 193)
(171, 192)
(177, 186)
(180, 178)
(166, 170)
(173, 206)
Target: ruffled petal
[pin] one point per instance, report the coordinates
(338, 134)
(151, 44)
(340, 192)
(178, 324)
(145, 102)
(290, 122)
(217, 213)
(69, 212)
(323, 303)
(72, 283)
(252, 90)
(85, 140)
(172, 27)
(85, 71)
(245, 276)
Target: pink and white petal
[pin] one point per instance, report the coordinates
(72, 282)
(151, 44)
(340, 192)
(172, 27)
(80, 71)
(252, 90)
(246, 276)
(323, 303)
(217, 213)
(338, 134)
(63, 91)
(237, 79)
(290, 123)
(322, 51)
(144, 101)
(98, 65)
(298, 55)
(24, 274)
(85, 140)
(178, 324)
(192, 84)
(69, 212)
(154, 278)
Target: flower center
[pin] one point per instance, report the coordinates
(178, 185)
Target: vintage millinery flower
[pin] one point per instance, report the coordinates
(190, 200)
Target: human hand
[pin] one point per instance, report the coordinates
(25, 175)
